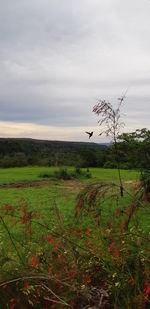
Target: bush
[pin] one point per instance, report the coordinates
(62, 173)
(110, 164)
(45, 175)
(88, 173)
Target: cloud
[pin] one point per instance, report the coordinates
(58, 57)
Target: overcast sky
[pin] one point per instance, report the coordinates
(58, 57)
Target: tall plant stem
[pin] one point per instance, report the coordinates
(13, 243)
(118, 167)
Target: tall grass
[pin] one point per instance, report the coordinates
(46, 263)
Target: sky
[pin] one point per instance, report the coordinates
(59, 57)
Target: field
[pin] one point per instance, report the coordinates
(77, 232)
(40, 192)
(30, 174)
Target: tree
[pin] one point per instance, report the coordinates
(136, 145)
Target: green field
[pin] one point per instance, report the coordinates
(30, 174)
(40, 193)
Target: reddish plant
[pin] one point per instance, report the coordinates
(34, 261)
(111, 125)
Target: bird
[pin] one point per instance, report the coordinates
(90, 134)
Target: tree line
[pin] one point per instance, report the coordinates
(133, 150)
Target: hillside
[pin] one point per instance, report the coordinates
(24, 151)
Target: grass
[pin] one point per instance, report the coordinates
(79, 254)
(42, 196)
(64, 193)
(31, 174)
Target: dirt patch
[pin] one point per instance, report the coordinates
(26, 185)
(72, 184)
(67, 184)
(130, 182)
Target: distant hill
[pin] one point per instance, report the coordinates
(26, 151)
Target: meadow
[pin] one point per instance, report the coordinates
(73, 243)
(30, 174)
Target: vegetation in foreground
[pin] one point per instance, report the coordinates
(100, 258)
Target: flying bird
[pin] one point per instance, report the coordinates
(90, 134)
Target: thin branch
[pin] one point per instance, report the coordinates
(13, 243)
(40, 277)
(60, 300)
(54, 301)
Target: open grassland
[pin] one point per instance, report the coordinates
(40, 193)
(30, 174)
(59, 238)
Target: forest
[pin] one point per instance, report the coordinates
(133, 149)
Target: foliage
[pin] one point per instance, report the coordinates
(91, 199)
(62, 173)
(46, 263)
(65, 174)
(133, 152)
(135, 148)
(22, 152)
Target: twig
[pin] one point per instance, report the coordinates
(61, 300)
(6, 228)
(55, 301)
(41, 277)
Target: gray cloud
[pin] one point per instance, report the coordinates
(58, 57)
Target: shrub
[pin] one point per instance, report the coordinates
(88, 173)
(45, 175)
(110, 164)
(62, 173)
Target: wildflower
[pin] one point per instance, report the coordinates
(51, 242)
(89, 232)
(34, 261)
(94, 248)
(57, 245)
(147, 291)
(48, 237)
